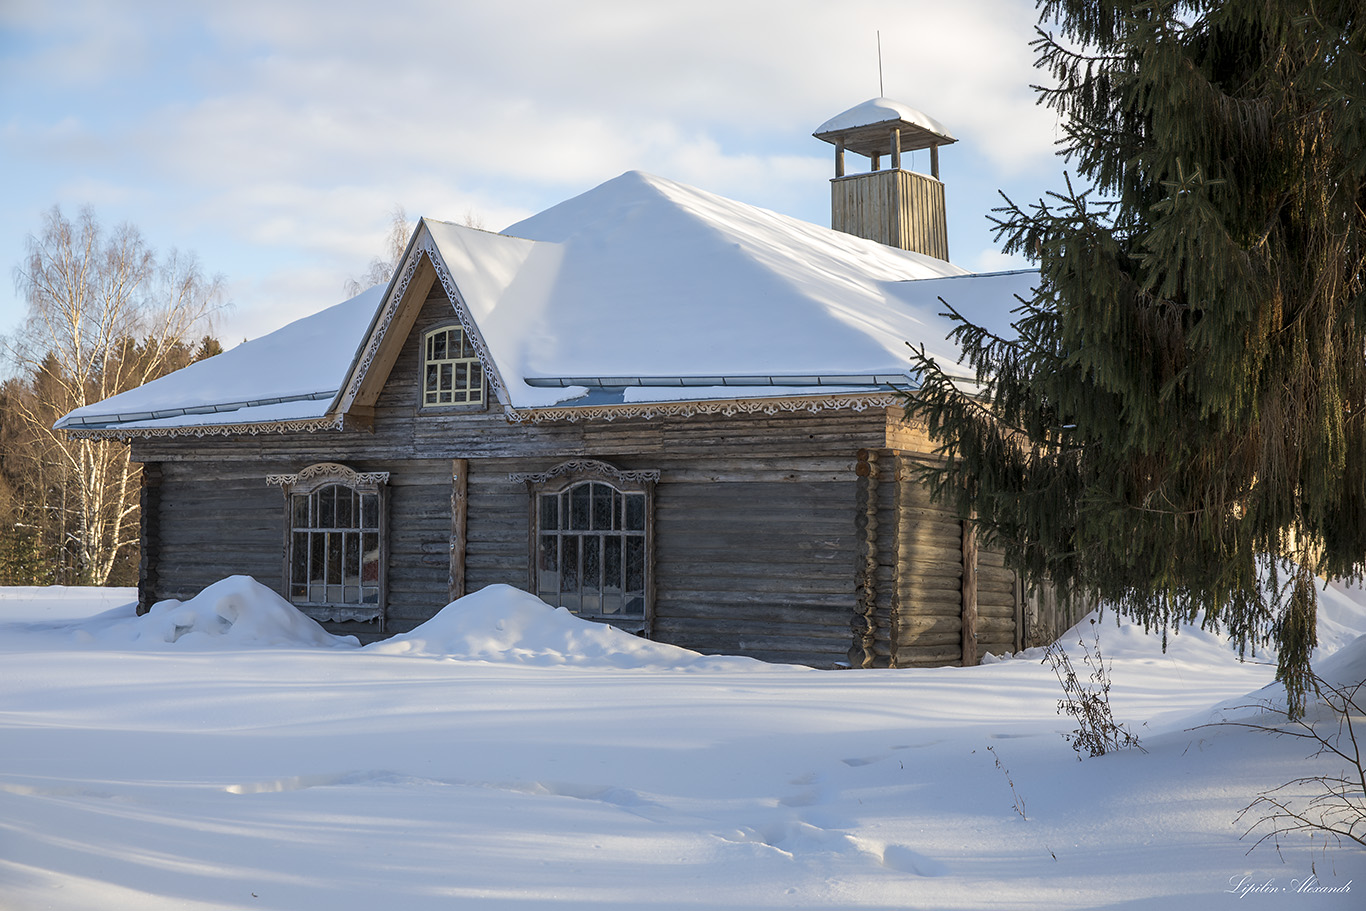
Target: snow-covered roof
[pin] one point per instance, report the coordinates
(640, 290)
(291, 374)
(865, 128)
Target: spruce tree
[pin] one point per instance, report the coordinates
(1183, 402)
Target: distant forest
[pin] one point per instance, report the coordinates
(106, 314)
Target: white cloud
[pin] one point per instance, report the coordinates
(283, 133)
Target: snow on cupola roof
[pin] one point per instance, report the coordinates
(865, 128)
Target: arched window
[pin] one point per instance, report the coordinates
(451, 372)
(592, 541)
(590, 553)
(334, 563)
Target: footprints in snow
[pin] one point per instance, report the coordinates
(801, 823)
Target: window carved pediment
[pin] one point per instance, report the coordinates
(581, 469)
(324, 473)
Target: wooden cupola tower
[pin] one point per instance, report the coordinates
(897, 207)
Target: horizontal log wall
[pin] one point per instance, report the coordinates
(928, 629)
(757, 518)
(756, 566)
(996, 604)
(419, 558)
(926, 555)
(218, 519)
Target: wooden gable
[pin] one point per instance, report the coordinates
(421, 278)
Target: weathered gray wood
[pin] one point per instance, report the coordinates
(459, 515)
(969, 603)
(765, 540)
(150, 536)
(864, 622)
(894, 207)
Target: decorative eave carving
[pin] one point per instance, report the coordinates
(324, 473)
(727, 407)
(424, 245)
(588, 468)
(309, 425)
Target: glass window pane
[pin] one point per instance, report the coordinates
(345, 512)
(579, 499)
(298, 570)
(334, 558)
(635, 511)
(612, 579)
(439, 346)
(548, 567)
(317, 557)
(635, 563)
(612, 598)
(446, 378)
(299, 511)
(369, 511)
(550, 512)
(548, 560)
(569, 570)
(592, 575)
(612, 603)
(351, 560)
(326, 514)
(592, 563)
(602, 507)
(369, 560)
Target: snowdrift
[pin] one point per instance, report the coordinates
(236, 612)
(502, 623)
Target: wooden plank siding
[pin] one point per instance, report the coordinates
(895, 207)
(767, 531)
(756, 567)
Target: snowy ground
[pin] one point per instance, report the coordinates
(225, 753)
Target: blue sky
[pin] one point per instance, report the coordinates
(274, 138)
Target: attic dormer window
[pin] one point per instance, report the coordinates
(451, 372)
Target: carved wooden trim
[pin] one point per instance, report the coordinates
(309, 425)
(324, 473)
(425, 246)
(724, 407)
(576, 471)
(587, 468)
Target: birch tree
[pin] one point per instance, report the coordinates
(105, 315)
(382, 268)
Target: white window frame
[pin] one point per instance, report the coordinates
(615, 512)
(457, 371)
(333, 537)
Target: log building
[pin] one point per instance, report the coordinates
(656, 407)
